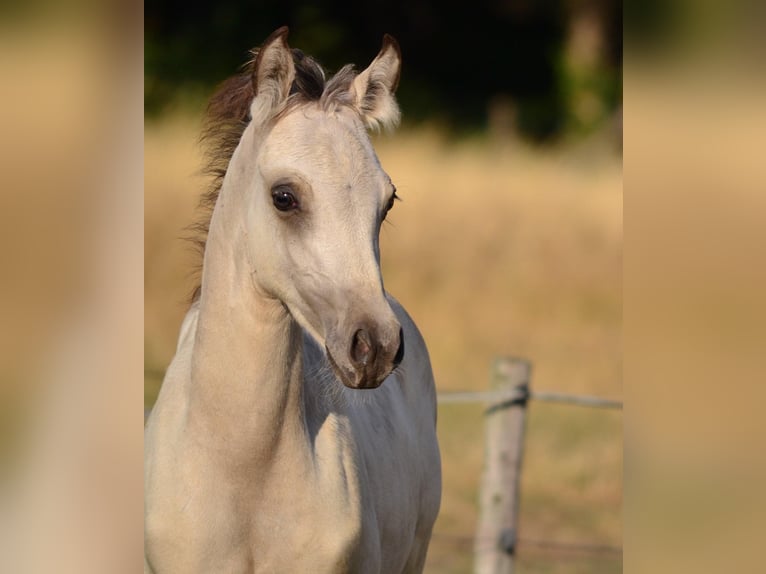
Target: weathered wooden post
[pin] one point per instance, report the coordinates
(495, 544)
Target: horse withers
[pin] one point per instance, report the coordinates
(295, 428)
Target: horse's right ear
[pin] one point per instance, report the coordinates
(373, 89)
(273, 75)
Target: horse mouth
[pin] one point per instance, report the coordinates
(349, 378)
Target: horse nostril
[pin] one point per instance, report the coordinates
(400, 351)
(361, 347)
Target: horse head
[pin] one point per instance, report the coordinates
(316, 196)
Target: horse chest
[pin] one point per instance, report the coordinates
(314, 517)
(267, 528)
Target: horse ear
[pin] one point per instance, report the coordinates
(273, 75)
(373, 89)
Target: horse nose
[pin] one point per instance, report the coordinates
(374, 355)
(400, 351)
(363, 350)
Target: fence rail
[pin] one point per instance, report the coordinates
(516, 395)
(547, 546)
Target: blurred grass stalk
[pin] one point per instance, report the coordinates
(71, 289)
(694, 310)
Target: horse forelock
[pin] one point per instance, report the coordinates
(228, 115)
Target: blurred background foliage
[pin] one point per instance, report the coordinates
(541, 68)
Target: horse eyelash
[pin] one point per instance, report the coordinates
(394, 196)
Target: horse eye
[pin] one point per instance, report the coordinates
(283, 198)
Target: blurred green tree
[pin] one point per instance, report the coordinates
(459, 60)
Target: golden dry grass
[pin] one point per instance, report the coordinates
(495, 249)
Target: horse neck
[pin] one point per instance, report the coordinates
(246, 375)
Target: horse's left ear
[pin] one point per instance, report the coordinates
(373, 89)
(273, 73)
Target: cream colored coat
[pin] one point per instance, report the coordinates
(257, 458)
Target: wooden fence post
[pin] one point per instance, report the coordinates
(495, 544)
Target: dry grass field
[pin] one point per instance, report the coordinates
(496, 249)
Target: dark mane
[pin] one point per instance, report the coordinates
(227, 116)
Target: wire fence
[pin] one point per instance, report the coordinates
(548, 546)
(496, 542)
(517, 395)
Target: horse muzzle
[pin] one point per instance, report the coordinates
(368, 356)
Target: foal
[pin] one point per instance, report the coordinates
(295, 428)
